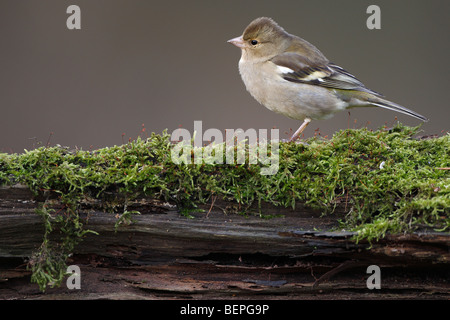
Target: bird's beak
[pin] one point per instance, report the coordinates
(238, 42)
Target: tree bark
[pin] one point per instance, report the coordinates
(215, 254)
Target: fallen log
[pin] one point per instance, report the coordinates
(214, 254)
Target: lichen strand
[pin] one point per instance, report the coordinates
(389, 182)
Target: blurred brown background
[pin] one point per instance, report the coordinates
(167, 63)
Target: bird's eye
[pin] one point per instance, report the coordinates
(254, 42)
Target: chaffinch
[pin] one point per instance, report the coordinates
(290, 76)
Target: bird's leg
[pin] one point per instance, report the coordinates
(300, 130)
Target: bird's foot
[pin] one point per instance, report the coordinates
(297, 141)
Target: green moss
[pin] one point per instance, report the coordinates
(389, 182)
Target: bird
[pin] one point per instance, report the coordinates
(290, 76)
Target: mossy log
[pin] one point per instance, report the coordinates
(219, 254)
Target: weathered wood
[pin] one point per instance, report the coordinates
(216, 254)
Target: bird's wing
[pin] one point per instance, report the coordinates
(297, 68)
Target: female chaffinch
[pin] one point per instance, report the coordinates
(292, 77)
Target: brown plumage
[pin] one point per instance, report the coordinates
(290, 76)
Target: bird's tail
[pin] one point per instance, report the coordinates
(379, 102)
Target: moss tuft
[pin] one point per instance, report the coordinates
(389, 182)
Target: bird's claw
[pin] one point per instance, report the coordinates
(297, 141)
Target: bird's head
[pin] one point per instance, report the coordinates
(262, 39)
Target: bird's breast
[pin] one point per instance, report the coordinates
(264, 81)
